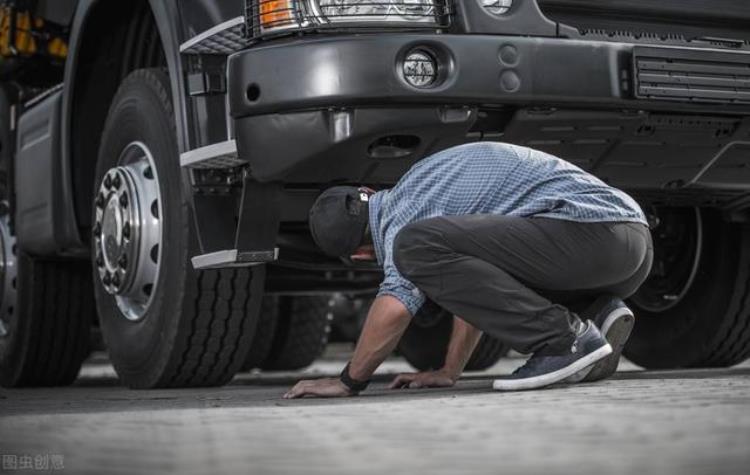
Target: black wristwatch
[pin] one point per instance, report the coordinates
(353, 385)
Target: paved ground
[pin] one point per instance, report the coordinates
(681, 422)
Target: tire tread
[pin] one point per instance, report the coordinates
(301, 335)
(711, 326)
(55, 297)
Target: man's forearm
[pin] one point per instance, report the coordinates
(386, 322)
(464, 340)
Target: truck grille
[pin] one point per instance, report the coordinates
(692, 75)
(269, 17)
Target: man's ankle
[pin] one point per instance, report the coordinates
(559, 346)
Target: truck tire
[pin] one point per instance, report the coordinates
(47, 311)
(349, 315)
(488, 352)
(425, 342)
(264, 333)
(164, 324)
(46, 307)
(301, 333)
(694, 309)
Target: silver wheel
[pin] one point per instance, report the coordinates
(128, 231)
(8, 274)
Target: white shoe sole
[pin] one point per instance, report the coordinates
(616, 329)
(554, 377)
(612, 318)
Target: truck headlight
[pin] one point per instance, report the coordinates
(272, 15)
(410, 11)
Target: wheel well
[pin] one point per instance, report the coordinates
(117, 38)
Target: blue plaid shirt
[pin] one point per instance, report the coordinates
(488, 178)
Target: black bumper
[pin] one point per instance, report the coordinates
(338, 108)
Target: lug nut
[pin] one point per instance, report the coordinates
(108, 181)
(117, 182)
(100, 200)
(124, 201)
(126, 231)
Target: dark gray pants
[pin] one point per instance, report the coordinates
(516, 278)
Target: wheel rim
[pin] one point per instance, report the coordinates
(128, 231)
(8, 274)
(678, 242)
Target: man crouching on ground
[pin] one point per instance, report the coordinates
(502, 237)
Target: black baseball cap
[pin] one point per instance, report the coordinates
(338, 220)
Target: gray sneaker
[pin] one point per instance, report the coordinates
(544, 370)
(616, 321)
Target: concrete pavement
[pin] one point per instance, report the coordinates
(681, 422)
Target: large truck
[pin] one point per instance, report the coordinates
(159, 159)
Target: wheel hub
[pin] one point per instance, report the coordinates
(8, 274)
(114, 244)
(128, 231)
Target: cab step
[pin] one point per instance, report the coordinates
(238, 231)
(218, 155)
(223, 39)
(233, 258)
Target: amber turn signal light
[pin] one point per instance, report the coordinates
(275, 13)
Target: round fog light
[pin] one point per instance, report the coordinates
(497, 7)
(420, 69)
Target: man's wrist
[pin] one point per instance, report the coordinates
(452, 373)
(355, 386)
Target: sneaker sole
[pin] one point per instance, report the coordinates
(616, 329)
(554, 377)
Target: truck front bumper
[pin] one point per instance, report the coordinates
(339, 109)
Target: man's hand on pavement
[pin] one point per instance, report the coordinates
(427, 379)
(386, 322)
(331, 387)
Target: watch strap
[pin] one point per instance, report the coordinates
(353, 384)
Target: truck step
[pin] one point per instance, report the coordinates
(233, 258)
(223, 39)
(218, 155)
